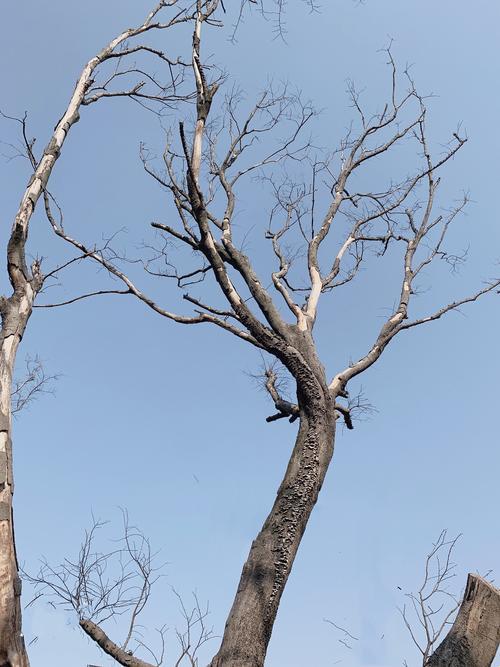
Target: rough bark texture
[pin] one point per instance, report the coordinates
(101, 639)
(15, 312)
(12, 648)
(269, 563)
(475, 635)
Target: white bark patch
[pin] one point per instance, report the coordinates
(302, 321)
(26, 301)
(7, 576)
(342, 250)
(197, 150)
(234, 296)
(316, 285)
(396, 318)
(9, 348)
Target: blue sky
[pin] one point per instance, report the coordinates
(163, 419)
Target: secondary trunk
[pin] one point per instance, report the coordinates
(265, 573)
(12, 647)
(475, 635)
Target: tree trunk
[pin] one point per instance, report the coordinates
(12, 648)
(265, 573)
(475, 635)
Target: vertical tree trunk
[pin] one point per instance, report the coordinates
(265, 573)
(475, 635)
(15, 314)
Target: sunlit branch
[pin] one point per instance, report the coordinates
(132, 289)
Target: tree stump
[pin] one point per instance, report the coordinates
(474, 637)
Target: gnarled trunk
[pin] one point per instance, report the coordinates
(15, 315)
(475, 635)
(266, 571)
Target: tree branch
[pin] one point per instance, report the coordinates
(109, 647)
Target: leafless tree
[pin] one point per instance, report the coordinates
(102, 585)
(331, 215)
(473, 633)
(114, 72)
(434, 605)
(474, 637)
(467, 638)
(110, 73)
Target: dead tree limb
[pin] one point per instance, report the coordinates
(98, 635)
(333, 224)
(27, 280)
(102, 585)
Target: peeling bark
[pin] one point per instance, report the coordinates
(474, 638)
(15, 311)
(12, 647)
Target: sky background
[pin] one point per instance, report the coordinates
(164, 420)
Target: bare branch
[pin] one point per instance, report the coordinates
(109, 647)
(101, 585)
(81, 297)
(285, 408)
(455, 305)
(34, 382)
(18, 272)
(131, 287)
(433, 604)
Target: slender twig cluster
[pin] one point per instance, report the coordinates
(433, 606)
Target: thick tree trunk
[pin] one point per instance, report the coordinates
(12, 647)
(265, 573)
(474, 637)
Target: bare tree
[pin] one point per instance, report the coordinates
(116, 585)
(473, 636)
(111, 73)
(102, 585)
(331, 215)
(100, 78)
(434, 605)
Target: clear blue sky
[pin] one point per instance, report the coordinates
(163, 420)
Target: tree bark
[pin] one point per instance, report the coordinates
(15, 314)
(109, 646)
(475, 635)
(269, 563)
